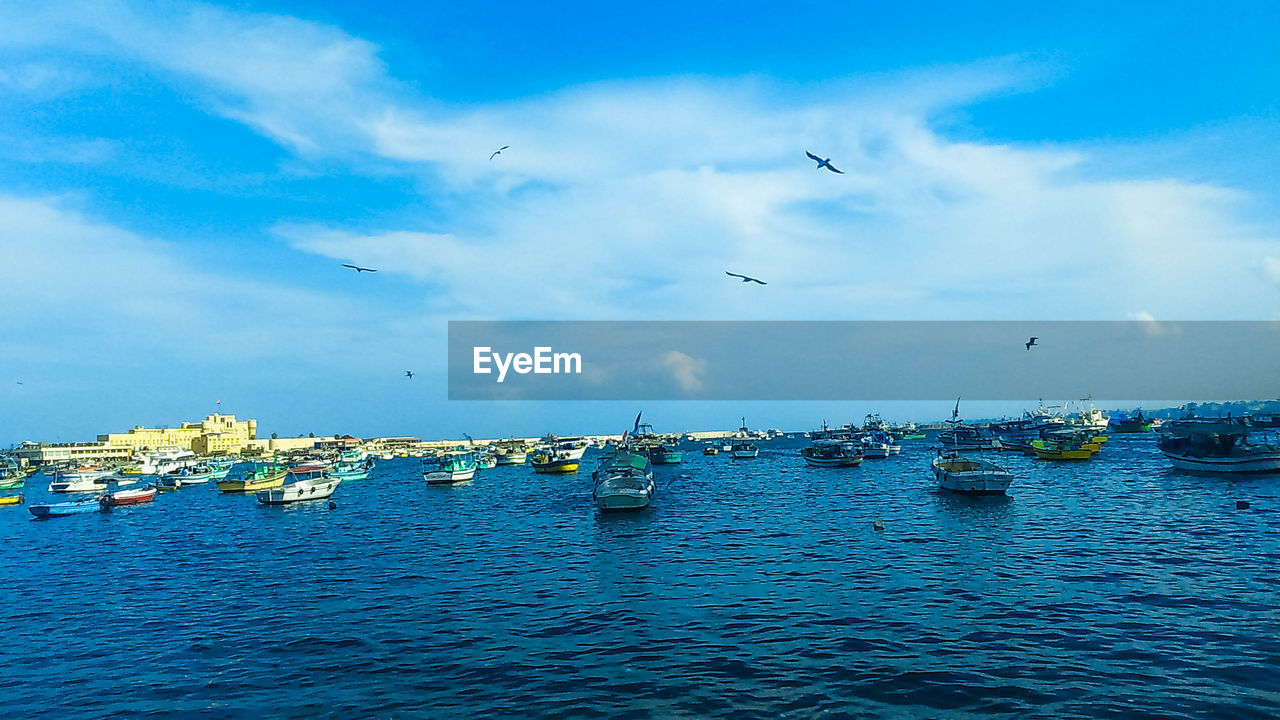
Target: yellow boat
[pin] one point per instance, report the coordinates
(1092, 447)
(1100, 439)
(1053, 451)
(131, 471)
(263, 478)
(558, 462)
(11, 500)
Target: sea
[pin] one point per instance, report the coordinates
(1113, 588)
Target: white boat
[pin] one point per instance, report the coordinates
(166, 459)
(313, 484)
(1219, 446)
(79, 484)
(456, 467)
(744, 451)
(574, 447)
(971, 477)
(624, 481)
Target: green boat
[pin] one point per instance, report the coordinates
(13, 483)
(665, 455)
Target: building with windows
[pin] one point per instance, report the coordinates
(230, 435)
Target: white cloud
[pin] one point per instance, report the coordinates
(684, 369)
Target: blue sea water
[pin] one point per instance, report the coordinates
(1116, 588)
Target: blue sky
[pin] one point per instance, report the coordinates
(180, 181)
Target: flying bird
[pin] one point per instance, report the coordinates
(745, 278)
(1031, 342)
(823, 163)
(498, 152)
(358, 269)
(19, 382)
(408, 374)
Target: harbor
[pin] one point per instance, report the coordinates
(722, 577)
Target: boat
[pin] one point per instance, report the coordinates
(1125, 423)
(623, 481)
(457, 466)
(510, 452)
(76, 507)
(959, 436)
(11, 499)
(970, 476)
(1089, 417)
(352, 470)
(195, 475)
(255, 478)
(130, 497)
(168, 482)
(574, 447)
(832, 453)
(1061, 450)
(311, 482)
(96, 484)
(742, 448)
(711, 450)
(165, 459)
(486, 460)
(549, 460)
(1230, 445)
(13, 482)
(908, 431)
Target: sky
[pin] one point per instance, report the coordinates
(181, 182)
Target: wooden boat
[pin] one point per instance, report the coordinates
(832, 453)
(352, 471)
(263, 477)
(969, 476)
(1050, 450)
(13, 483)
(308, 483)
(455, 467)
(554, 461)
(76, 507)
(11, 499)
(168, 482)
(486, 461)
(623, 481)
(711, 450)
(1219, 446)
(511, 452)
(130, 497)
(664, 454)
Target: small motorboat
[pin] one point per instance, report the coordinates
(11, 499)
(130, 497)
(69, 484)
(76, 507)
(313, 484)
(970, 477)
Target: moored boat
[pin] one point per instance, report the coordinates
(970, 476)
(711, 450)
(13, 482)
(1229, 445)
(75, 507)
(548, 460)
(130, 497)
(832, 453)
(305, 483)
(510, 452)
(744, 450)
(11, 499)
(665, 454)
(959, 436)
(454, 467)
(352, 470)
(624, 481)
(1061, 450)
(255, 478)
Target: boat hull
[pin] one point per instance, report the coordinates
(567, 466)
(1269, 463)
(131, 497)
(64, 509)
(445, 477)
(968, 477)
(11, 500)
(305, 491)
(623, 501)
(243, 485)
(833, 462)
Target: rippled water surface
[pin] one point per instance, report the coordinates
(1114, 588)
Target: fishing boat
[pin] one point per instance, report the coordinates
(195, 475)
(1125, 423)
(310, 482)
(73, 484)
(255, 478)
(76, 507)
(711, 450)
(549, 460)
(13, 482)
(969, 476)
(168, 482)
(130, 497)
(574, 447)
(220, 467)
(744, 450)
(486, 460)
(665, 454)
(352, 470)
(1228, 445)
(1089, 417)
(11, 499)
(908, 431)
(457, 466)
(511, 452)
(959, 436)
(832, 453)
(624, 481)
(1061, 450)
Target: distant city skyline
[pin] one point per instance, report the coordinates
(180, 185)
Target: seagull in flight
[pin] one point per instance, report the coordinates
(498, 152)
(823, 163)
(408, 374)
(358, 269)
(1031, 342)
(745, 278)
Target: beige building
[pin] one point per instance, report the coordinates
(224, 432)
(41, 453)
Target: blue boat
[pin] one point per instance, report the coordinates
(77, 507)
